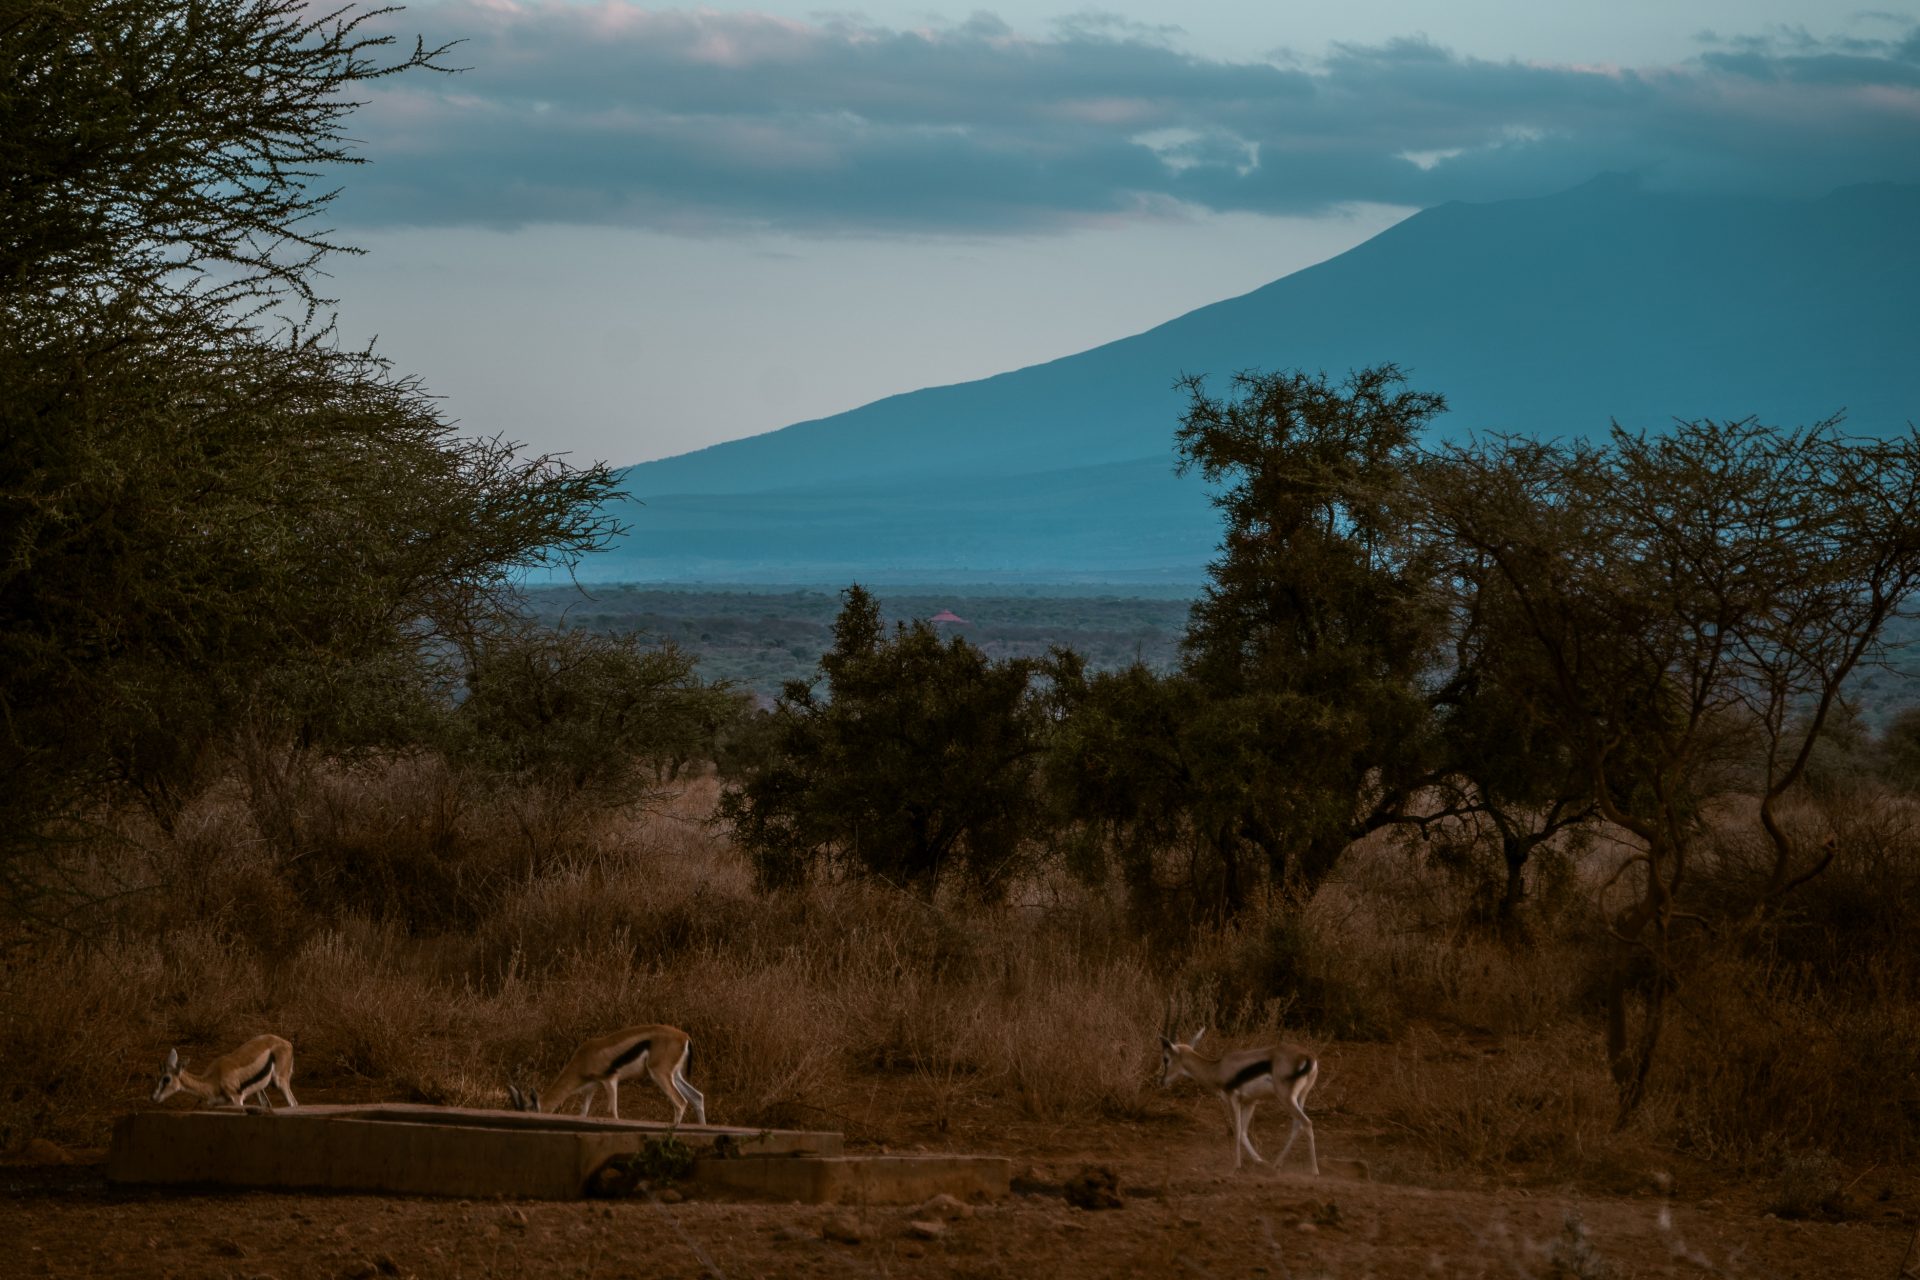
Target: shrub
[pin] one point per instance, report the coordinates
(586, 712)
(1808, 1184)
(915, 768)
(1546, 1101)
(71, 1021)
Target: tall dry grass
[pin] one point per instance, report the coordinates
(1798, 1034)
(421, 935)
(425, 938)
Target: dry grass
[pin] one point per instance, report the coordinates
(72, 1020)
(420, 937)
(1542, 1101)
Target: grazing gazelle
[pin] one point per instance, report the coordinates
(1242, 1078)
(231, 1079)
(664, 1053)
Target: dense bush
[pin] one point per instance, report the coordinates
(586, 712)
(217, 523)
(915, 765)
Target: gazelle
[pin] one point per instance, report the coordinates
(664, 1053)
(229, 1080)
(1242, 1078)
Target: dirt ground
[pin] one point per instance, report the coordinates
(1379, 1210)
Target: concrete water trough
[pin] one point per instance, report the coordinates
(454, 1151)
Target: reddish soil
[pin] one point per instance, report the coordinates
(1182, 1213)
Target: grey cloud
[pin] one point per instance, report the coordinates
(1106, 25)
(610, 114)
(1829, 68)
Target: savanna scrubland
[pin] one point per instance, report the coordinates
(437, 937)
(1522, 780)
(434, 939)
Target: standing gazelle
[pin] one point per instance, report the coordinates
(1242, 1078)
(664, 1053)
(231, 1079)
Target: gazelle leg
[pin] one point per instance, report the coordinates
(586, 1101)
(283, 1076)
(694, 1098)
(1293, 1132)
(1239, 1133)
(1301, 1121)
(1246, 1132)
(613, 1096)
(663, 1079)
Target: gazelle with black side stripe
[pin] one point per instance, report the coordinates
(231, 1079)
(1244, 1077)
(664, 1053)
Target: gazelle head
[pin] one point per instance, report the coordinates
(169, 1077)
(1173, 1058)
(528, 1101)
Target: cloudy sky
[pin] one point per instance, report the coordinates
(627, 231)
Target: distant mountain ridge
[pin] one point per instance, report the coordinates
(1551, 316)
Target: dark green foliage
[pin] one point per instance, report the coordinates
(586, 712)
(1331, 686)
(914, 766)
(1139, 785)
(209, 526)
(1503, 761)
(1118, 773)
(147, 141)
(1682, 613)
(1315, 637)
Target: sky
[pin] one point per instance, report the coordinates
(625, 232)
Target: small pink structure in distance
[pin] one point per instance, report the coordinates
(948, 615)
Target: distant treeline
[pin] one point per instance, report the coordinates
(759, 639)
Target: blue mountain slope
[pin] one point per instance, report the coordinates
(1551, 316)
(1117, 522)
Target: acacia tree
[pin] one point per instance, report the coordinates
(1501, 758)
(210, 512)
(164, 152)
(1315, 640)
(1684, 603)
(586, 712)
(914, 766)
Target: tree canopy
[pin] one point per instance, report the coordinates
(1683, 613)
(179, 148)
(209, 508)
(914, 765)
(1317, 631)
